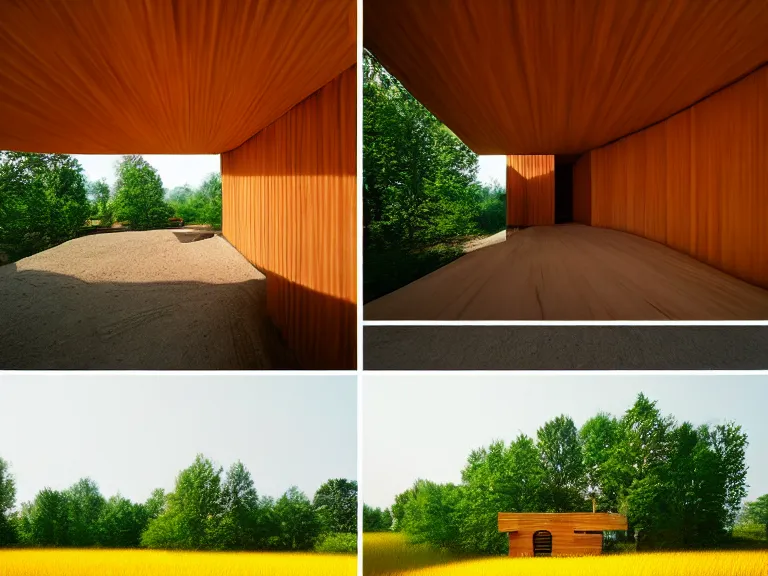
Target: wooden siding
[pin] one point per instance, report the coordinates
(162, 77)
(530, 190)
(289, 206)
(558, 76)
(697, 182)
(563, 527)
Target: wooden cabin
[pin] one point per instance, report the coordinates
(558, 534)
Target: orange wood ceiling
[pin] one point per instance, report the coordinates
(162, 76)
(562, 76)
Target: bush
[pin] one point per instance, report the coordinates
(338, 543)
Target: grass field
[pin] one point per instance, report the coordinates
(390, 554)
(150, 563)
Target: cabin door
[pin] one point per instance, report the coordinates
(542, 543)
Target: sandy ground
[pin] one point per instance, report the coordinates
(477, 243)
(574, 272)
(137, 300)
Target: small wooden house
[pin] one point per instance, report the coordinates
(558, 534)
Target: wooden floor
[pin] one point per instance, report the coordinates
(574, 272)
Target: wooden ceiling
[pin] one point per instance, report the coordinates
(562, 76)
(162, 76)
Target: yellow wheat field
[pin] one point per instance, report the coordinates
(389, 554)
(151, 563)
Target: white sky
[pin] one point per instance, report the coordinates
(174, 170)
(134, 433)
(492, 168)
(425, 425)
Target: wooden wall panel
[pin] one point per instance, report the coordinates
(558, 76)
(162, 77)
(563, 527)
(582, 190)
(289, 206)
(697, 181)
(530, 190)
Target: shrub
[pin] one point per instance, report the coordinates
(338, 543)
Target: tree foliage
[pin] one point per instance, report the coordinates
(680, 486)
(43, 201)
(139, 195)
(200, 205)
(376, 519)
(207, 510)
(420, 186)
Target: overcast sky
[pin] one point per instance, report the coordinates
(424, 426)
(492, 168)
(134, 433)
(174, 170)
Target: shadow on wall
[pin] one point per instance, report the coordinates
(530, 199)
(55, 321)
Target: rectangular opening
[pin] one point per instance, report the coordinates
(564, 188)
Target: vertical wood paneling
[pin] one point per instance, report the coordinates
(697, 181)
(582, 190)
(530, 190)
(289, 206)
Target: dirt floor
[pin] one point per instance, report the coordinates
(574, 272)
(153, 300)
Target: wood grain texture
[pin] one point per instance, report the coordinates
(562, 76)
(563, 527)
(162, 76)
(289, 206)
(697, 182)
(574, 272)
(530, 190)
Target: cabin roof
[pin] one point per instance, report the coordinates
(577, 521)
(562, 77)
(171, 77)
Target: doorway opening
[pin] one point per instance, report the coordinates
(542, 543)
(564, 188)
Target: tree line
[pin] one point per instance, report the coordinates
(679, 485)
(45, 199)
(420, 187)
(207, 510)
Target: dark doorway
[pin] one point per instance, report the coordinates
(542, 543)
(563, 189)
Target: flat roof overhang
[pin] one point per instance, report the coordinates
(162, 76)
(562, 76)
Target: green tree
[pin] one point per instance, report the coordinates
(298, 524)
(101, 198)
(376, 519)
(43, 201)
(336, 505)
(84, 506)
(565, 479)
(139, 195)
(607, 479)
(193, 511)
(240, 527)
(45, 522)
(121, 523)
(7, 503)
(756, 512)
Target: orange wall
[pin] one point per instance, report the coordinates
(289, 206)
(697, 182)
(530, 190)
